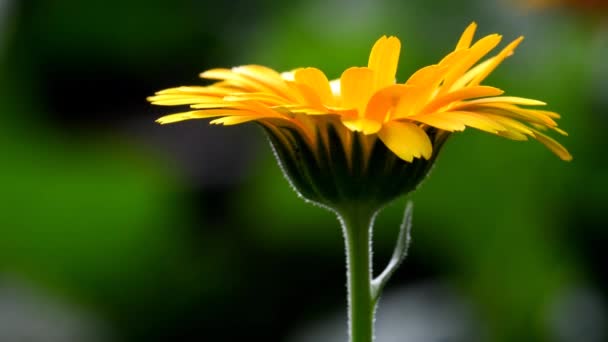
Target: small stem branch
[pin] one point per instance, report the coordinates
(357, 225)
(399, 254)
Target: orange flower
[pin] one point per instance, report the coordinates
(447, 96)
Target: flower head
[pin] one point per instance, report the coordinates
(366, 135)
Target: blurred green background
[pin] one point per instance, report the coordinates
(113, 228)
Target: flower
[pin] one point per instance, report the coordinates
(365, 135)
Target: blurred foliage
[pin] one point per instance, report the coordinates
(97, 215)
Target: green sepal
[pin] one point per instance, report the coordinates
(326, 172)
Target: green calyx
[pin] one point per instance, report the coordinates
(333, 173)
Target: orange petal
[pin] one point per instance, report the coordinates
(382, 101)
(316, 80)
(453, 58)
(410, 102)
(459, 95)
(364, 125)
(470, 58)
(428, 75)
(305, 94)
(441, 120)
(487, 69)
(425, 81)
(356, 87)
(467, 37)
(471, 74)
(383, 60)
(406, 140)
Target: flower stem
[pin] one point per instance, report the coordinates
(356, 225)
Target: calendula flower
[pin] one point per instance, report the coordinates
(366, 122)
(357, 142)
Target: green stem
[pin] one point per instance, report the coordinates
(356, 225)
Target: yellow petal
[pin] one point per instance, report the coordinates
(260, 109)
(467, 37)
(459, 95)
(544, 128)
(470, 58)
(383, 60)
(453, 58)
(234, 120)
(222, 74)
(425, 82)
(249, 78)
(198, 114)
(345, 114)
(560, 131)
(487, 69)
(406, 140)
(267, 98)
(513, 111)
(267, 77)
(196, 90)
(553, 145)
(510, 124)
(471, 74)
(316, 80)
(548, 113)
(476, 120)
(503, 99)
(305, 95)
(410, 102)
(356, 87)
(513, 135)
(302, 109)
(171, 118)
(241, 108)
(233, 78)
(428, 75)
(178, 100)
(217, 105)
(441, 120)
(364, 125)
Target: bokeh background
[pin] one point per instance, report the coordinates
(113, 228)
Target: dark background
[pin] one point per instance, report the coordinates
(113, 228)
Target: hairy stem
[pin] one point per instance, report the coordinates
(357, 227)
